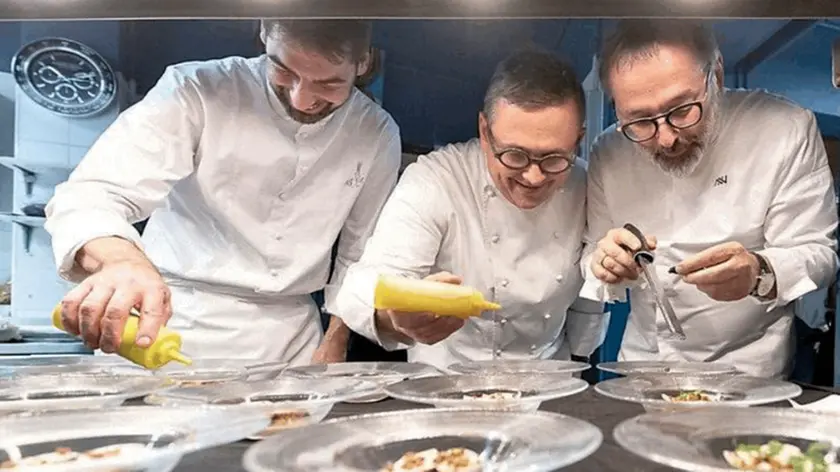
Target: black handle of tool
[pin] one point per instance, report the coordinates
(645, 253)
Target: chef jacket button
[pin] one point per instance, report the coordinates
(495, 238)
(547, 316)
(498, 352)
(559, 278)
(503, 321)
(281, 196)
(489, 191)
(257, 290)
(274, 273)
(278, 236)
(503, 282)
(533, 347)
(556, 235)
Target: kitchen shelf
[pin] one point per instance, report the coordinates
(28, 223)
(30, 169)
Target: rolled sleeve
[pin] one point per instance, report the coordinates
(128, 172)
(801, 223)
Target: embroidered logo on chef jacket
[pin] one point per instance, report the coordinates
(721, 180)
(358, 179)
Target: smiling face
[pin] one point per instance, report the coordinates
(681, 94)
(548, 132)
(309, 85)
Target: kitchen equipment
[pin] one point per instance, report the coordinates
(166, 348)
(644, 257)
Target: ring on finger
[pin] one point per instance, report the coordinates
(603, 259)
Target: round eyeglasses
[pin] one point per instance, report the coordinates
(682, 117)
(517, 159)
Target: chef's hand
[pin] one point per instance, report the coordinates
(334, 346)
(726, 272)
(613, 264)
(425, 328)
(97, 309)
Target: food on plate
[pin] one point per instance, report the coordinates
(287, 419)
(776, 456)
(64, 455)
(692, 396)
(493, 395)
(433, 460)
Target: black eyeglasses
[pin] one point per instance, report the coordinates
(518, 159)
(681, 117)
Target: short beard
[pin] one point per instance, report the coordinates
(686, 164)
(297, 115)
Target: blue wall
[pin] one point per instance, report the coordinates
(435, 71)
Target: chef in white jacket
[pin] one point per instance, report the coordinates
(250, 170)
(732, 188)
(504, 214)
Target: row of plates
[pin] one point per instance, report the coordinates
(516, 438)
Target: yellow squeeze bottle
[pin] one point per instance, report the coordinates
(413, 296)
(166, 348)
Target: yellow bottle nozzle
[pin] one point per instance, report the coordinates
(490, 306)
(178, 357)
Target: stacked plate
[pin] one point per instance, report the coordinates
(285, 402)
(380, 373)
(484, 439)
(139, 439)
(49, 391)
(31, 365)
(214, 371)
(522, 392)
(680, 391)
(547, 366)
(723, 439)
(630, 368)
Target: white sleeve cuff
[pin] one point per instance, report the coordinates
(72, 231)
(792, 278)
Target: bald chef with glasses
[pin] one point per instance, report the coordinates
(504, 214)
(732, 189)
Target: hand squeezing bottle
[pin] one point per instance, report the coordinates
(166, 348)
(414, 296)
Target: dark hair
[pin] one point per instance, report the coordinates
(639, 39)
(339, 39)
(534, 79)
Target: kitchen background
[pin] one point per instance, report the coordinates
(433, 80)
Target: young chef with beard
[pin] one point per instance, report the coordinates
(732, 188)
(503, 213)
(250, 170)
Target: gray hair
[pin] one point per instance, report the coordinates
(634, 40)
(534, 80)
(336, 39)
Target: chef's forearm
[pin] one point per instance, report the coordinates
(109, 250)
(337, 331)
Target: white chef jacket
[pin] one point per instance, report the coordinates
(447, 215)
(764, 182)
(245, 203)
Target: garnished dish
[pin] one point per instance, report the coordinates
(777, 456)
(692, 396)
(493, 395)
(65, 455)
(286, 419)
(433, 460)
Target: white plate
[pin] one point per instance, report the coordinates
(209, 371)
(303, 401)
(666, 367)
(734, 390)
(506, 440)
(519, 366)
(73, 391)
(161, 435)
(694, 440)
(530, 390)
(382, 373)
